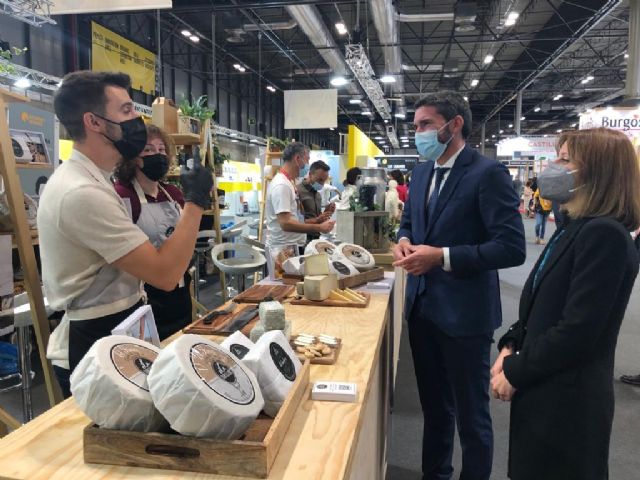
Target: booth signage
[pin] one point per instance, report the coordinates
(111, 52)
(527, 146)
(626, 120)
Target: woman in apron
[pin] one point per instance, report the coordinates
(155, 207)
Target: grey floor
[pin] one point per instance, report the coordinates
(406, 437)
(405, 448)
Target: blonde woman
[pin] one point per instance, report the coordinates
(556, 362)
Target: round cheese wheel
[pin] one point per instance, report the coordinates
(110, 384)
(357, 255)
(238, 344)
(276, 367)
(203, 390)
(294, 265)
(341, 266)
(320, 246)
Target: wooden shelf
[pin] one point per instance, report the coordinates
(274, 154)
(185, 138)
(34, 165)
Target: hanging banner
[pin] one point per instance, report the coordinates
(111, 52)
(61, 7)
(310, 109)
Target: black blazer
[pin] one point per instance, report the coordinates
(565, 343)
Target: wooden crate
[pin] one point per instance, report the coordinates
(346, 282)
(251, 456)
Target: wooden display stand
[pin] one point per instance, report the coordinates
(205, 142)
(23, 240)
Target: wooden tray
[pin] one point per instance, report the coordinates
(257, 293)
(220, 323)
(346, 282)
(326, 360)
(251, 456)
(332, 303)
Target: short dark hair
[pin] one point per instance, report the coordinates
(352, 175)
(319, 165)
(82, 92)
(449, 104)
(293, 149)
(397, 176)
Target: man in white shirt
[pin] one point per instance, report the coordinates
(93, 256)
(283, 213)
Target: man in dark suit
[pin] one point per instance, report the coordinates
(459, 226)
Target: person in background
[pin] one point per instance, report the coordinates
(402, 187)
(350, 188)
(633, 379)
(283, 210)
(460, 225)
(527, 197)
(309, 193)
(542, 207)
(155, 208)
(556, 362)
(93, 256)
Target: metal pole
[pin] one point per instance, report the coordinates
(483, 133)
(632, 90)
(518, 112)
(160, 85)
(214, 70)
(259, 109)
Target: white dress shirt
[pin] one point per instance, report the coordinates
(448, 164)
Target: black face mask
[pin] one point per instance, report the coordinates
(155, 166)
(134, 137)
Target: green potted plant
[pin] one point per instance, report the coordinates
(277, 145)
(197, 108)
(218, 159)
(6, 67)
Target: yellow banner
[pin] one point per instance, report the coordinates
(111, 52)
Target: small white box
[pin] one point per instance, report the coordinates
(334, 391)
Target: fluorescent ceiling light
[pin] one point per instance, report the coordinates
(186, 33)
(574, 125)
(545, 136)
(558, 97)
(194, 38)
(331, 128)
(537, 109)
(511, 125)
(22, 83)
(341, 28)
(511, 19)
(378, 138)
(493, 136)
(523, 118)
(242, 69)
(388, 79)
(475, 82)
(234, 134)
(234, 141)
(488, 59)
(386, 121)
(466, 98)
(406, 139)
(626, 55)
(366, 112)
(399, 115)
(270, 88)
(355, 101)
(236, 66)
(339, 81)
(501, 131)
(559, 130)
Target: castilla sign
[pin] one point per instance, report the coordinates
(626, 120)
(527, 146)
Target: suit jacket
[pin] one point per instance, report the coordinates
(477, 217)
(562, 411)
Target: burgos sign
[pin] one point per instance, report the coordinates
(624, 119)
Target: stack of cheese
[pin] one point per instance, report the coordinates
(203, 390)
(238, 344)
(276, 366)
(271, 314)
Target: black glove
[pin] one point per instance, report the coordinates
(196, 185)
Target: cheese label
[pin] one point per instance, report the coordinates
(356, 255)
(133, 362)
(341, 268)
(238, 350)
(222, 374)
(325, 247)
(282, 361)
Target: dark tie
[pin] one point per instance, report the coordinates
(433, 200)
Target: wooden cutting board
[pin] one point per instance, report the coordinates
(332, 303)
(324, 360)
(257, 293)
(220, 323)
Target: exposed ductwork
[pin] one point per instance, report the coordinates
(311, 23)
(236, 35)
(384, 18)
(424, 17)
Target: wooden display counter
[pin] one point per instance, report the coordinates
(326, 440)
